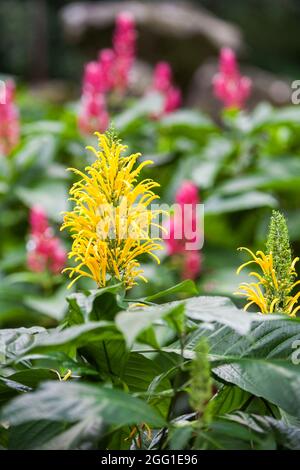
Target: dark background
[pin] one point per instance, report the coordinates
(34, 47)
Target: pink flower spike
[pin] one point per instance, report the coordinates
(162, 83)
(124, 43)
(172, 100)
(93, 115)
(187, 193)
(38, 220)
(229, 86)
(192, 265)
(106, 60)
(92, 78)
(44, 250)
(9, 120)
(58, 260)
(162, 77)
(228, 63)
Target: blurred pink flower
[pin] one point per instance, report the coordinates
(182, 229)
(9, 120)
(172, 100)
(229, 86)
(106, 59)
(92, 78)
(45, 251)
(191, 264)
(162, 83)
(93, 115)
(124, 43)
(110, 72)
(38, 221)
(187, 193)
(162, 77)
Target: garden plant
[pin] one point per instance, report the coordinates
(115, 333)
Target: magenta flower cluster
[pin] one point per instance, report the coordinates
(181, 220)
(9, 119)
(44, 250)
(163, 83)
(229, 85)
(110, 73)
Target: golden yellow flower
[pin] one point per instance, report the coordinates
(270, 294)
(112, 218)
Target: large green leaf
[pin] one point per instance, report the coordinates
(218, 310)
(21, 342)
(259, 362)
(252, 199)
(95, 305)
(51, 195)
(72, 402)
(131, 118)
(38, 151)
(132, 323)
(188, 123)
(15, 340)
(228, 399)
(9, 388)
(272, 173)
(33, 435)
(246, 431)
(54, 306)
(184, 287)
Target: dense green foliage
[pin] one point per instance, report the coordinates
(186, 370)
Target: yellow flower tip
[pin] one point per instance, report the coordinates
(67, 375)
(294, 263)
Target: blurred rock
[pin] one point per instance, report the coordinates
(54, 91)
(266, 87)
(181, 33)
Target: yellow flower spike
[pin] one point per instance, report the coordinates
(276, 283)
(111, 221)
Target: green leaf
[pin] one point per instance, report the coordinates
(184, 287)
(33, 435)
(78, 402)
(275, 173)
(218, 310)
(95, 305)
(276, 381)
(15, 340)
(20, 342)
(247, 431)
(73, 337)
(33, 377)
(41, 127)
(39, 151)
(244, 201)
(79, 436)
(260, 362)
(9, 388)
(228, 399)
(51, 195)
(180, 436)
(190, 123)
(133, 323)
(131, 117)
(54, 306)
